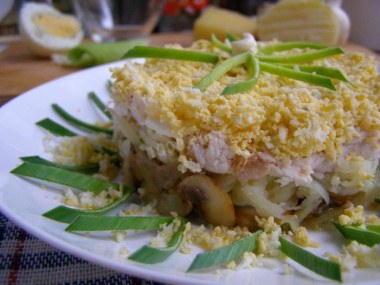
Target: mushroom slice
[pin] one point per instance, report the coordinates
(170, 202)
(215, 204)
(246, 217)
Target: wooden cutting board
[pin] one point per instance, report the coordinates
(21, 71)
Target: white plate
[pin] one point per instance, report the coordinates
(23, 201)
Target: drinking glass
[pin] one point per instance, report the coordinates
(115, 20)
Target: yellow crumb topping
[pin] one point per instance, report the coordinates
(352, 215)
(280, 116)
(302, 238)
(356, 255)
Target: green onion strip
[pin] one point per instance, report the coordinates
(39, 160)
(102, 107)
(363, 236)
(232, 38)
(314, 79)
(170, 53)
(221, 69)
(288, 46)
(314, 263)
(219, 44)
(151, 255)
(224, 254)
(320, 70)
(301, 58)
(64, 177)
(254, 65)
(76, 122)
(55, 128)
(67, 215)
(108, 223)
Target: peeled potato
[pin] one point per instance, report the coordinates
(46, 31)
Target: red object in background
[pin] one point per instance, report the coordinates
(174, 7)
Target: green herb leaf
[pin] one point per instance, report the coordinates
(152, 255)
(315, 263)
(170, 53)
(314, 79)
(254, 65)
(76, 122)
(219, 44)
(288, 46)
(221, 69)
(225, 253)
(363, 236)
(64, 177)
(377, 200)
(39, 160)
(301, 58)
(55, 128)
(232, 38)
(102, 107)
(67, 215)
(107, 223)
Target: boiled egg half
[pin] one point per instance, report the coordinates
(45, 30)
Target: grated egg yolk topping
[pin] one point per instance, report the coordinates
(279, 116)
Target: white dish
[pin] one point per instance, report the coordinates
(23, 201)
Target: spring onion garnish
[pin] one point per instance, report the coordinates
(64, 177)
(102, 107)
(151, 255)
(221, 69)
(55, 128)
(314, 79)
(363, 236)
(315, 263)
(301, 58)
(277, 64)
(225, 253)
(219, 44)
(320, 70)
(254, 65)
(39, 160)
(374, 228)
(231, 37)
(288, 46)
(112, 223)
(76, 122)
(169, 53)
(108, 150)
(67, 215)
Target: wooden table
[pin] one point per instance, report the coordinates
(21, 71)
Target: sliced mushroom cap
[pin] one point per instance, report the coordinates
(215, 204)
(246, 217)
(170, 202)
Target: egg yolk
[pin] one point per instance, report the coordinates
(64, 27)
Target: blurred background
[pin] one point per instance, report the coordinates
(177, 15)
(180, 15)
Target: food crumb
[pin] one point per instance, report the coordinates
(119, 236)
(288, 270)
(231, 265)
(372, 219)
(352, 215)
(124, 251)
(356, 255)
(302, 238)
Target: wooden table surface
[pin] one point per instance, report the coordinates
(21, 71)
